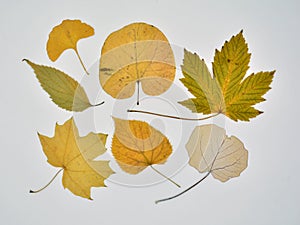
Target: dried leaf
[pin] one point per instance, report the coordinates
(65, 36)
(64, 91)
(228, 91)
(210, 150)
(138, 53)
(136, 145)
(75, 155)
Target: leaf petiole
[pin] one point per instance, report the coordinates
(31, 191)
(101, 103)
(138, 92)
(186, 190)
(80, 60)
(172, 117)
(157, 171)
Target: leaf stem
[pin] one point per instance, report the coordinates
(186, 190)
(98, 104)
(81, 61)
(31, 191)
(138, 92)
(157, 171)
(172, 117)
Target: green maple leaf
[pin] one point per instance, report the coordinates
(228, 91)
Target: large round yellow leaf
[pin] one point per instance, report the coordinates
(138, 53)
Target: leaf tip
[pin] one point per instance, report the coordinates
(29, 63)
(187, 52)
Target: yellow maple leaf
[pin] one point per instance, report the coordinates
(65, 36)
(227, 91)
(138, 53)
(75, 155)
(136, 145)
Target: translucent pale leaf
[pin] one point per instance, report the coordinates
(210, 150)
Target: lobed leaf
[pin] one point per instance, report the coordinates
(76, 156)
(228, 91)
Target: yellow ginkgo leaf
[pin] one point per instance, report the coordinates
(75, 155)
(136, 145)
(138, 53)
(65, 36)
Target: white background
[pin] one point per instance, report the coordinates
(267, 192)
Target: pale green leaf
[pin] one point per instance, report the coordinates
(64, 91)
(197, 105)
(200, 83)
